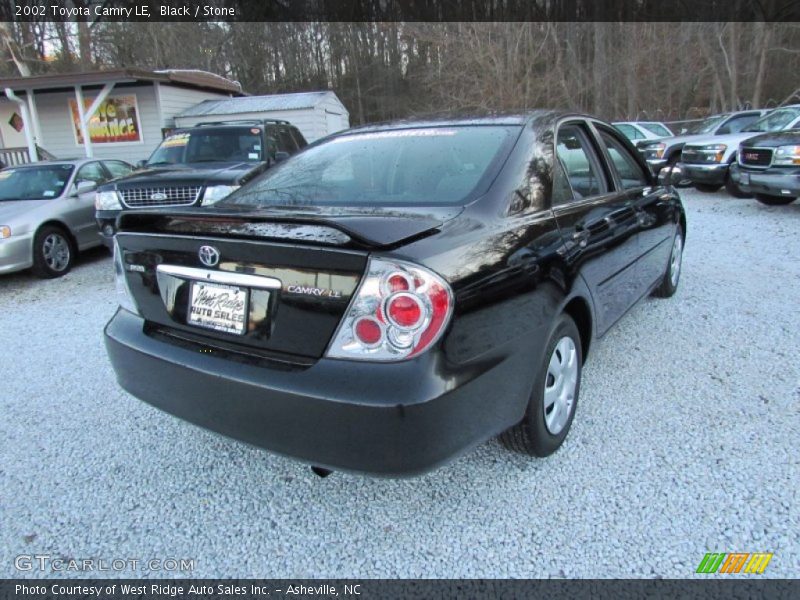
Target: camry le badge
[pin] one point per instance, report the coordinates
(209, 256)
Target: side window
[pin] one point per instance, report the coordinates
(285, 140)
(627, 167)
(117, 168)
(92, 171)
(580, 162)
(736, 124)
(630, 132)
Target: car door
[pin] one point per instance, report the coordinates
(652, 206)
(597, 222)
(81, 206)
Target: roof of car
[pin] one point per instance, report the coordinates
(69, 161)
(462, 119)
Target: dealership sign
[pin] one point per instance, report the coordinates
(115, 120)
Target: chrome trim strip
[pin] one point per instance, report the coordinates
(223, 277)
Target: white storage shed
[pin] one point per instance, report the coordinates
(315, 114)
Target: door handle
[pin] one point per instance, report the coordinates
(581, 237)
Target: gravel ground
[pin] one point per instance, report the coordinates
(685, 442)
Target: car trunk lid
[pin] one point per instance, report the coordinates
(260, 283)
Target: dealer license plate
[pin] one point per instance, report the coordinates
(218, 307)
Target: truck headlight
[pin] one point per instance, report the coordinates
(215, 193)
(714, 152)
(107, 201)
(787, 156)
(653, 151)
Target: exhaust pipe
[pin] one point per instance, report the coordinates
(321, 472)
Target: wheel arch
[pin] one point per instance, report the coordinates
(579, 309)
(61, 225)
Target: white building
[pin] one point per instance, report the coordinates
(109, 114)
(315, 114)
(124, 113)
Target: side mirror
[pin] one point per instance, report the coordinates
(140, 164)
(84, 187)
(280, 156)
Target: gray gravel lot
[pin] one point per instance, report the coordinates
(685, 441)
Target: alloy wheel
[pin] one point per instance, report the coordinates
(56, 252)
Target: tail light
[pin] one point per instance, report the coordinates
(400, 309)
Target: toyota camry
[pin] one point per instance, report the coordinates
(396, 294)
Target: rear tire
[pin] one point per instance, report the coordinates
(672, 276)
(53, 252)
(734, 190)
(708, 188)
(554, 398)
(775, 200)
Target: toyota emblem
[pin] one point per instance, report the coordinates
(209, 256)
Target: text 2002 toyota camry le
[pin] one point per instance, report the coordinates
(398, 293)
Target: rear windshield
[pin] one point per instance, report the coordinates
(657, 128)
(241, 144)
(402, 167)
(707, 125)
(776, 120)
(34, 183)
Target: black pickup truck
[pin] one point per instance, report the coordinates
(769, 167)
(197, 166)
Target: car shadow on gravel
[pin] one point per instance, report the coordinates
(85, 259)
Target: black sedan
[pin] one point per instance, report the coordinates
(396, 294)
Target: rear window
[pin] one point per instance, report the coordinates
(403, 167)
(776, 120)
(241, 144)
(657, 128)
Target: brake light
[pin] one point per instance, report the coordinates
(400, 309)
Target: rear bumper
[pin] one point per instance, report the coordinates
(387, 419)
(713, 174)
(16, 253)
(775, 181)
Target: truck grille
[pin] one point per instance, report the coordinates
(160, 196)
(696, 156)
(755, 157)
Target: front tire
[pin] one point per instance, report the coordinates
(734, 190)
(53, 252)
(672, 276)
(708, 188)
(775, 200)
(554, 398)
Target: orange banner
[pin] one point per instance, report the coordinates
(115, 120)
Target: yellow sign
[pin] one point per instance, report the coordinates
(115, 120)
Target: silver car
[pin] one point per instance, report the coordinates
(47, 213)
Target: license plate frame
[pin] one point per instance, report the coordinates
(224, 312)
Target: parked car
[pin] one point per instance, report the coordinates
(706, 162)
(398, 293)
(198, 166)
(47, 212)
(636, 131)
(662, 153)
(769, 167)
